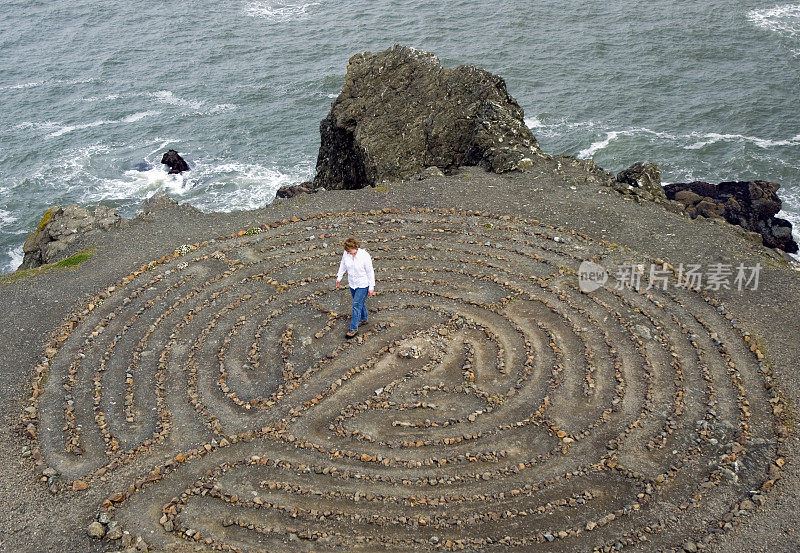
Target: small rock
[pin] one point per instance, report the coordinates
(79, 486)
(96, 530)
(292, 190)
(430, 172)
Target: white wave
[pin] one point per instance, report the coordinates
(238, 186)
(167, 97)
(20, 86)
(69, 128)
(79, 174)
(34, 84)
(107, 98)
(696, 140)
(533, 123)
(220, 108)
(6, 218)
(791, 211)
(162, 145)
(277, 10)
(134, 184)
(132, 118)
(557, 128)
(71, 171)
(333, 96)
(711, 138)
(46, 126)
(698, 145)
(209, 186)
(143, 183)
(782, 19)
(14, 260)
(600, 144)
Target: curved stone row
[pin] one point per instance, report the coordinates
(487, 404)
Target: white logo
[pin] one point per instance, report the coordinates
(591, 276)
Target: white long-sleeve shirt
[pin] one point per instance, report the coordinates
(358, 268)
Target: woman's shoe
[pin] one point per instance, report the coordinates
(362, 323)
(351, 333)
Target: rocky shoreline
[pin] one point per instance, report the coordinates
(401, 115)
(148, 435)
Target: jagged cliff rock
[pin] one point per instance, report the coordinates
(292, 190)
(60, 227)
(749, 204)
(157, 202)
(641, 179)
(400, 112)
(161, 202)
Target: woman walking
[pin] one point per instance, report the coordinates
(357, 263)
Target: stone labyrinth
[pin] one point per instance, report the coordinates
(487, 404)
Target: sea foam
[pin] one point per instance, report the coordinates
(132, 118)
(791, 211)
(168, 97)
(138, 184)
(783, 19)
(690, 141)
(34, 84)
(278, 11)
(237, 186)
(13, 260)
(197, 107)
(595, 147)
(6, 218)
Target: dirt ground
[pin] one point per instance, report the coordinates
(204, 398)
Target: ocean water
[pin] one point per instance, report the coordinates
(94, 92)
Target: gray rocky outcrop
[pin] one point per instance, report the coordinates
(400, 112)
(157, 202)
(292, 190)
(749, 204)
(430, 172)
(60, 227)
(642, 180)
(161, 202)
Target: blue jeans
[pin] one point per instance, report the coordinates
(359, 306)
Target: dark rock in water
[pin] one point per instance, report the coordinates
(142, 166)
(292, 190)
(749, 204)
(60, 227)
(641, 179)
(400, 112)
(175, 162)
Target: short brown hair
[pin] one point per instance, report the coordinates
(351, 244)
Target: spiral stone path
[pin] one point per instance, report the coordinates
(487, 405)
